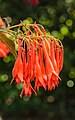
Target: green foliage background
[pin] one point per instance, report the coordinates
(58, 17)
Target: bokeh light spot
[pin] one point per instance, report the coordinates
(70, 83)
(9, 101)
(72, 74)
(64, 30)
(69, 22)
(55, 33)
(7, 59)
(62, 19)
(73, 13)
(68, 1)
(26, 98)
(4, 77)
(73, 34)
(50, 99)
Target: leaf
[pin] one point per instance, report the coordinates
(9, 43)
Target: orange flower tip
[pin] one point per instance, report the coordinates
(21, 93)
(60, 79)
(44, 85)
(20, 96)
(49, 89)
(35, 93)
(45, 89)
(56, 75)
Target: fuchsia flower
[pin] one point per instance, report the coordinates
(39, 61)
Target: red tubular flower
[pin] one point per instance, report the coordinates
(39, 76)
(17, 71)
(39, 61)
(21, 71)
(3, 48)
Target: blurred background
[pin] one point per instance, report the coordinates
(58, 17)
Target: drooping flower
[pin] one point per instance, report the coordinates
(39, 60)
(17, 71)
(3, 48)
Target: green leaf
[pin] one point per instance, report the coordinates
(9, 43)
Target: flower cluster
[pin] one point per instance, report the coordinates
(3, 48)
(39, 60)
